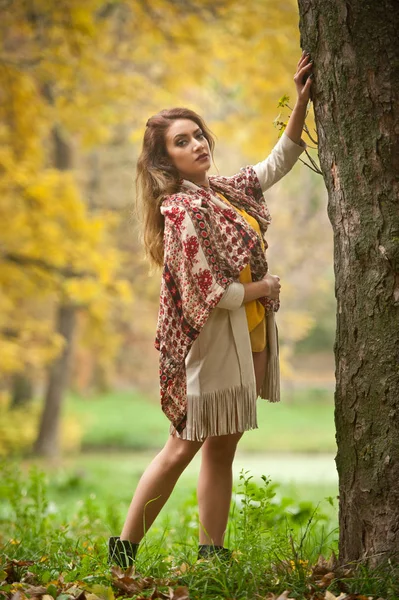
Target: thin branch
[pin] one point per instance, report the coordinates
(9, 333)
(314, 163)
(306, 130)
(311, 168)
(305, 127)
(28, 261)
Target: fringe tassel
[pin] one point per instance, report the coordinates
(219, 413)
(271, 384)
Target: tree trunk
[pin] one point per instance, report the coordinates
(22, 390)
(355, 50)
(47, 443)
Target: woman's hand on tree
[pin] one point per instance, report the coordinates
(303, 78)
(272, 286)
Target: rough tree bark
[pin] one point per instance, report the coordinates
(355, 50)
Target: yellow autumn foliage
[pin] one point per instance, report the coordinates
(18, 429)
(83, 71)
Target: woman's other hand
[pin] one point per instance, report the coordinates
(272, 286)
(303, 82)
(303, 78)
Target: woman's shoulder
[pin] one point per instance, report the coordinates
(180, 200)
(245, 177)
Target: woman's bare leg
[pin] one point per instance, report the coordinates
(156, 485)
(215, 487)
(216, 476)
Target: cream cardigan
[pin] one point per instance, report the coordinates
(221, 387)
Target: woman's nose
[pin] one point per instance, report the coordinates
(198, 145)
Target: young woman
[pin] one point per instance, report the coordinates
(216, 332)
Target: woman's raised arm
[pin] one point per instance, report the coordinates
(290, 146)
(295, 122)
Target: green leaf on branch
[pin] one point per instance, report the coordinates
(283, 100)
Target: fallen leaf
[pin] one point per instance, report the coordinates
(332, 562)
(12, 569)
(148, 582)
(183, 568)
(326, 580)
(320, 568)
(29, 577)
(18, 595)
(158, 594)
(76, 592)
(105, 592)
(180, 593)
(128, 585)
(36, 590)
(284, 596)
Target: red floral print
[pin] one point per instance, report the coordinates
(191, 246)
(205, 280)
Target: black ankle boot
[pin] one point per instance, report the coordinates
(207, 551)
(121, 552)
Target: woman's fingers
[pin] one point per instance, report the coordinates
(304, 58)
(301, 70)
(301, 73)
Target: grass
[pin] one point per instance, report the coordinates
(128, 420)
(276, 540)
(112, 477)
(263, 529)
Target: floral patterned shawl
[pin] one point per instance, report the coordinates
(205, 248)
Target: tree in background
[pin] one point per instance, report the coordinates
(356, 98)
(70, 73)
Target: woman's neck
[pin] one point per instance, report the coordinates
(202, 181)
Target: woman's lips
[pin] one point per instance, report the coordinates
(202, 157)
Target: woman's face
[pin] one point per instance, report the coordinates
(188, 149)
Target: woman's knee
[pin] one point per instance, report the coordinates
(178, 452)
(221, 449)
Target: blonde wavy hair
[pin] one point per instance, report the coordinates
(157, 177)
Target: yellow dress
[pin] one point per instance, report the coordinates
(255, 311)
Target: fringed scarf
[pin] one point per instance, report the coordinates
(205, 248)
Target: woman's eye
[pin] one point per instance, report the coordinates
(201, 135)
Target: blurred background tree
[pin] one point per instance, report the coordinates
(78, 82)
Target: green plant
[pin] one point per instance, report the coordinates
(276, 541)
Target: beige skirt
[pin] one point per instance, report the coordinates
(221, 385)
